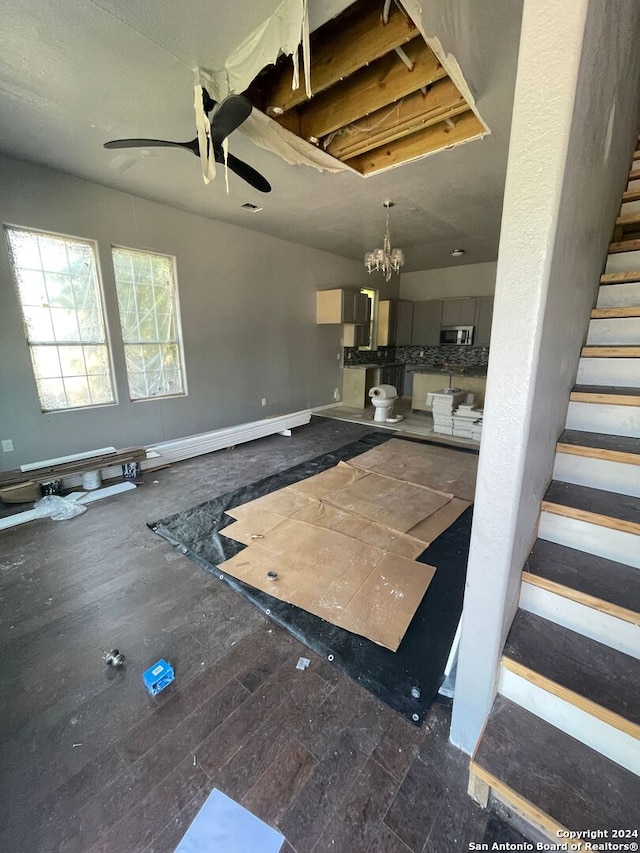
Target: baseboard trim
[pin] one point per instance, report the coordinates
(167, 452)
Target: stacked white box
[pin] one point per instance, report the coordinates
(467, 422)
(444, 403)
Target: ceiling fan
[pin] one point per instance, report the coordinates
(226, 117)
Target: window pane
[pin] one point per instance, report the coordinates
(72, 361)
(53, 254)
(59, 290)
(77, 388)
(52, 394)
(38, 322)
(147, 302)
(61, 303)
(31, 287)
(65, 324)
(46, 364)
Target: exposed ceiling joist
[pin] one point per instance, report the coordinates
(416, 111)
(337, 50)
(418, 144)
(370, 89)
(380, 94)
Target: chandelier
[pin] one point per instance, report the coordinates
(385, 260)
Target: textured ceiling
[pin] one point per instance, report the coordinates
(75, 74)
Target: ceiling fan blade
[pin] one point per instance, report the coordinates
(154, 143)
(228, 116)
(248, 173)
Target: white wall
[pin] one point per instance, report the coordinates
(574, 126)
(248, 317)
(449, 282)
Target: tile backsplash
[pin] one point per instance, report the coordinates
(431, 356)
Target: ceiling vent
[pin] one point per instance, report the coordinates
(380, 95)
(252, 208)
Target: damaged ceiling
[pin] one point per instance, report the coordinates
(380, 96)
(76, 74)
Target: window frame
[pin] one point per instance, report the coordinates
(177, 321)
(106, 343)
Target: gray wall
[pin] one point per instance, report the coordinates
(449, 282)
(574, 126)
(248, 318)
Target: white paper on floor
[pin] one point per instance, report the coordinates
(224, 826)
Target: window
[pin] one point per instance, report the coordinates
(62, 308)
(372, 296)
(148, 305)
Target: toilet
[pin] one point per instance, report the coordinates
(383, 397)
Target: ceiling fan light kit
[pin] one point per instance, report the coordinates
(385, 260)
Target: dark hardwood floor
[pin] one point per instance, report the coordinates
(90, 762)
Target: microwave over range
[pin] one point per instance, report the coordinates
(462, 335)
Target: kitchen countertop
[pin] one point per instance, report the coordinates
(453, 370)
(457, 370)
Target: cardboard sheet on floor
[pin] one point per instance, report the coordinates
(440, 468)
(397, 504)
(353, 585)
(258, 522)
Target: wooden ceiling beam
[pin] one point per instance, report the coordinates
(381, 83)
(417, 144)
(416, 111)
(338, 51)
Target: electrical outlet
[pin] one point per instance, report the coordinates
(7, 445)
(421, 353)
(338, 356)
(264, 401)
(336, 393)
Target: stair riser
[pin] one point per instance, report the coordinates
(612, 372)
(611, 420)
(619, 477)
(592, 538)
(618, 295)
(623, 262)
(577, 723)
(614, 331)
(602, 627)
(633, 185)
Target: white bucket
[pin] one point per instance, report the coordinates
(91, 480)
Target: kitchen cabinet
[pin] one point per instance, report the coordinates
(356, 383)
(482, 321)
(426, 383)
(427, 319)
(458, 312)
(392, 374)
(342, 306)
(395, 319)
(355, 336)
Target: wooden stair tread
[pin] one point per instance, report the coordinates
(578, 664)
(624, 245)
(606, 351)
(575, 786)
(621, 508)
(587, 574)
(596, 441)
(629, 219)
(621, 277)
(615, 313)
(605, 395)
(630, 195)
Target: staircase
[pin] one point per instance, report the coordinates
(561, 747)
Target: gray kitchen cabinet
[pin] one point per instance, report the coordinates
(392, 374)
(395, 317)
(482, 321)
(458, 312)
(427, 319)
